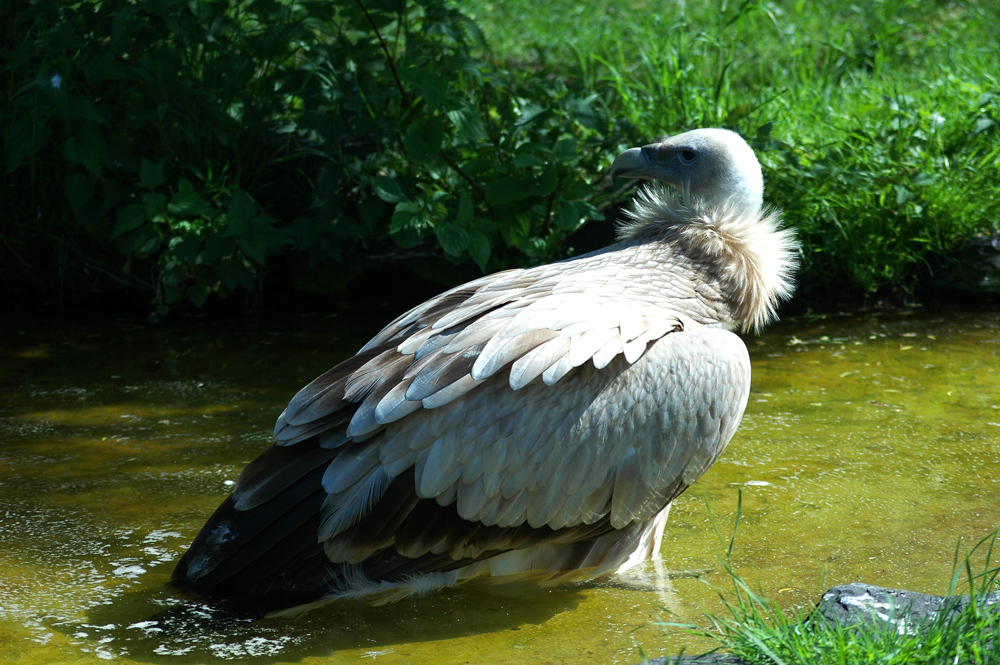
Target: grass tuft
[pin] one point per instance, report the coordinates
(760, 632)
(878, 124)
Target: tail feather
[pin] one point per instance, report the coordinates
(269, 557)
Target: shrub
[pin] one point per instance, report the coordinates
(196, 140)
(191, 149)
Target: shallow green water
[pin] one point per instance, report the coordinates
(871, 445)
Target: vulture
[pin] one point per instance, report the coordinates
(533, 423)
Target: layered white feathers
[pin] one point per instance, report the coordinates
(534, 421)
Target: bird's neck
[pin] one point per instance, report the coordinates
(735, 264)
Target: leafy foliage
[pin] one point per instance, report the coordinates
(876, 123)
(200, 139)
(905, 183)
(191, 150)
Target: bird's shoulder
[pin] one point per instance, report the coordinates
(617, 442)
(558, 408)
(603, 274)
(528, 325)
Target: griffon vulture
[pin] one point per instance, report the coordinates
(531, 423)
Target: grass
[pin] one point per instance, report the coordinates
(345, 131)
(876, 123)
(760, 632)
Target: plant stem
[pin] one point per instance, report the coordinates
(413, 114)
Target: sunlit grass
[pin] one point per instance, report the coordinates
(759, 631)
(876, 123)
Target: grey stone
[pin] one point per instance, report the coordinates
(713, 658)
(865, 604)
(860, 605)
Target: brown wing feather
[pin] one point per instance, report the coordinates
(378, 526)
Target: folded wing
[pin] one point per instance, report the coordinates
(503, 415)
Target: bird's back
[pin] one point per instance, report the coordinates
(532, 422)
(543, 407)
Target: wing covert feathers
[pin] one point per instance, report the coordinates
(530, 421)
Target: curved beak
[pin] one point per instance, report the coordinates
(638, 163)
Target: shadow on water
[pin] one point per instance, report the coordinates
(153, 625)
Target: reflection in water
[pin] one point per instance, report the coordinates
(871, 445)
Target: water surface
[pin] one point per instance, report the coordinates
(870, 448)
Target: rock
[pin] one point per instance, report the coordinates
(704, 659)
(865, 604)
(860, 605)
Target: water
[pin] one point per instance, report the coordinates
(870, 448)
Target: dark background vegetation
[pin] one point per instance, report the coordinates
(181, 156)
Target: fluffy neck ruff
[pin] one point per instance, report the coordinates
(747, 252)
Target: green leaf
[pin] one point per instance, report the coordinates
(24, 140)
(424, 138)
(408, 238)
(388, 189)
(412, 75)
(371, 210)
(528, 159)
(217, 247)
(569, 217)
(437, 207)
(198, 294)
(515, 229)
(122, 29)
(577, 190)
(128, 218)
(79, 190)
(408, 223)
(85, 149)
(468, 124)
(150, 174)
(407, 215)
(155, 204)
(764, 131)
(546, 184)
(187, 202)
(530, 112)
(105, 68)
(465, 210)
(483, 167)
(434, 89)
(589, 210)
(982, 124)
(903, 195)
(240, 214)
(479, 249)
(144, 241)
(510, 189)
(253, 246)
(985, 99)
(255, 233)
(389, 6)
(185, 247)
(565, 149)
(582, 108)
(453, 238)
(78, 108)
(235, 272)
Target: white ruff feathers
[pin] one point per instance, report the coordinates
(750, 252)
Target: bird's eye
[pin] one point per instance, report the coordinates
(687, 157)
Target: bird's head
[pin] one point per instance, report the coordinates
(714, 165)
